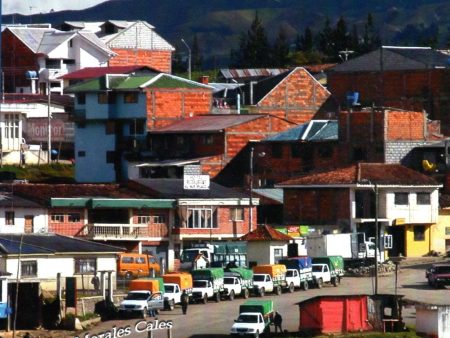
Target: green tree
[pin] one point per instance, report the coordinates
(280, 50)
(178, 65)
(341, 38)
(371, 38)
(305, 42)
(325, 39)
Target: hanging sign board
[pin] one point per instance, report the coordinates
(196, 182)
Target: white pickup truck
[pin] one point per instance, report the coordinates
(237, 282)
(140, 302)
(254, 319)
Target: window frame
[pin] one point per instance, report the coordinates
(419, 236)
(398, 201)
(10, 217)
(419, 201)
(130, 97)
(80, 268)
(70, 218)
(194, 221)
(234, 214)
(57, 218)
(24, 265)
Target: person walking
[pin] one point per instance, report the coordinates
(184, 301)
(278, 320)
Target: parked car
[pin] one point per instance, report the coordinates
(438, 275)
(141, 302)
(131, 265)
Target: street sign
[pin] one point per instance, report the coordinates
(196, 182)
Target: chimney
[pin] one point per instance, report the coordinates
(204, 79)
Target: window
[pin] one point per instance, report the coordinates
(201, 218)
(401, 198)
(143, 219)
(110, 156)
(57, 218)
(70, 43)
(208, 139)
(158, 219)
(295, 150)
(447, 231)
(69, 61)
(277, 254)
(74, 217)
(11, 126)
(419, 232)
(110, 127)
(277, 150)
(423, 198)
(236, 214)
(9, 217)
(130, 98)
(81, 98)
(81, 153)
(53, 63)
(28, 268)
(140, 260)
(104, 98)
(85, 265)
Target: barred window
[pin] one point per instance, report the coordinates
(57, 218)
(85, 265)
(28, 268)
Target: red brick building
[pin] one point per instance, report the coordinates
(294, 95)
(213, 140)
(409, 78)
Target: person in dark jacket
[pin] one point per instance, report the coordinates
(277, 321)
(184, 301)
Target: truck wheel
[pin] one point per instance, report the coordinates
(319, 283)
(231, 296)
(278, 290)
(171, 305)
(217, 297)
(245, 293)
(257, 334)
(261, 292)
(305, 285)
(205, 298)
(335, 281)
(291, 288)
(144, 313)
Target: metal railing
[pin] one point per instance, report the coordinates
(117, 231)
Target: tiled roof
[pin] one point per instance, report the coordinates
(95, 72)
(314, 130)
(395, 58)
(207, 123)
(51, 243)
(63, 100)
(237, 74)
(364, 173)
(265, 233)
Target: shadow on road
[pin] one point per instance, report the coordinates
(423, 266)
(417, 286)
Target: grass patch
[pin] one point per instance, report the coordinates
(45, 173)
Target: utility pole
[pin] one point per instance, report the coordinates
(250, 218)
(49, 115)
(189, 57)
(377, 238)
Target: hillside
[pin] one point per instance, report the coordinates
(218, 23)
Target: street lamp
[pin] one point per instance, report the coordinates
(189, 57)
(261, 154)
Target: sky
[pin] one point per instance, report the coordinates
(28, 7)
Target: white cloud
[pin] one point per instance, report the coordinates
(44, 6)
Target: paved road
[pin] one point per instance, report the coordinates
(215, 319)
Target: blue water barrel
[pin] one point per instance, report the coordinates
(31, 74)
(352, 98)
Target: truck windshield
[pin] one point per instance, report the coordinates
(136, 296)
(317, 268)
(228, 280)
(169, 288)
(200, 284)
(442, 269)
(259, 278)
(247, 319)
(189, 255)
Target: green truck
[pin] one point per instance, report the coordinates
(207, 284)
(327, 269)
(255, 317)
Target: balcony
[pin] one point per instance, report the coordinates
(130, 232)
(52, 73)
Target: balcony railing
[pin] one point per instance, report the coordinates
(107, 231)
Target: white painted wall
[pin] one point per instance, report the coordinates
(262, 252)
(433, 321)
(39, 221)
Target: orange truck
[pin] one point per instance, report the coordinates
(269, 278)
(149, 284)
(175, 284)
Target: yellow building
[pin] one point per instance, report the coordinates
(440, 238)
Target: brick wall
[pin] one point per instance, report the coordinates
(297, 98)
(158, 59)
(154, 229)
(316, 206)
(165, 106)
(16, 60)
(65, 227)
(401, 125)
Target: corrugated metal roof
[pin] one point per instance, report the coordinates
(395, 58)
(96, 41)
(52, 40)
(273, 193)
(314, 130)
(51, 243)
(207, 123)
(8, 200)
(94, 72)
(250, 72)
(31, 37)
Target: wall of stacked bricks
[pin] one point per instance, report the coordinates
(410, 90)
(320, 206)
(16, 60)
(297, 98)
(160, 60)
(165, 106)
(66, 228)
